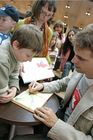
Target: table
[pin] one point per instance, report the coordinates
(15, 115)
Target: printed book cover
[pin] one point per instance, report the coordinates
(37, 69)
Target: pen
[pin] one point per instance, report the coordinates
(34, 83)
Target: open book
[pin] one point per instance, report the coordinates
(37, 69)
(31, 101)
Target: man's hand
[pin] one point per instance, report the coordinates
(46, 115)
(35, 86)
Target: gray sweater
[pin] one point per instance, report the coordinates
(9, 69)
(80, 123)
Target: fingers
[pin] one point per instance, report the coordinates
(7, 96)
(42, 109)
(32, 87)
(45, 115)
(42, 119)
(35, 86)
(4, 99)
(43, 112)
(40, 114)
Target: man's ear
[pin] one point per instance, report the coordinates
(15, 44)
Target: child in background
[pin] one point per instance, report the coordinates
(59, 29)
(9, 16)
(54, 46)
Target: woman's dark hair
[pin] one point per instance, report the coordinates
(67, 43)
(51, 21)
(36, 9)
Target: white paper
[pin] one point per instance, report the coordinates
(37, 69)
(31, 101)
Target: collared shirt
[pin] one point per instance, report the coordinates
(4, 39)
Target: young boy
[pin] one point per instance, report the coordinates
(9, 16)
(25, 43)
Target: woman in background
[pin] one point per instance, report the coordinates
(41, 12)
(67, 53)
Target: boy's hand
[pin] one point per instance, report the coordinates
(8, 95)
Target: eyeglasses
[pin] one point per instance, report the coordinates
(44, 13)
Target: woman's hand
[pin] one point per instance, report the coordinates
(46, 115)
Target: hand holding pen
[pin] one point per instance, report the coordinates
(35, 86)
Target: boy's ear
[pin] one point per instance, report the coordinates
(15, 44)
(13, 24)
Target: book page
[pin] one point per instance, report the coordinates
(31, 101)
(37, 69)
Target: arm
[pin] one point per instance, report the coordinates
(8, 87)
(4, 78)
(62, 130)
(14, 77)
(59, 129)
(54, 86)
